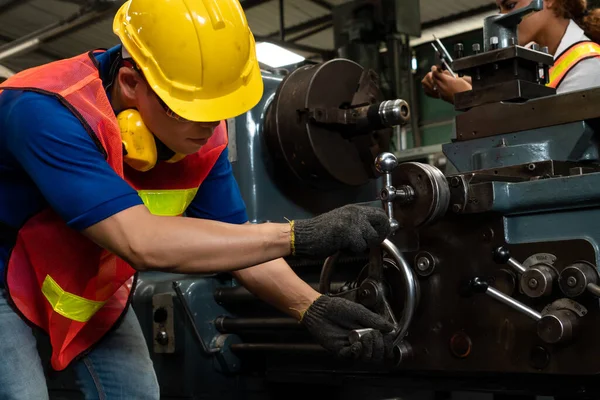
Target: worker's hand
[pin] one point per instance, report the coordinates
(352, 228)
(330, 321)
(440, 84)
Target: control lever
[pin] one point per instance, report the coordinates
(536, 281)
(557, 326)
(385, 164)
(501, 30)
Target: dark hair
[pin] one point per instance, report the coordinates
(577, 10)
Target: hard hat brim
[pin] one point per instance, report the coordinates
(221, 108)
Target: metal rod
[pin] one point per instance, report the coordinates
(29, 42)
(281, 21)
(593, 289)
(512, 303)
(516, 265)
(323, 4)
(241, 295)
(311, 32)
(301, 27)
(205, 349)
(234, 325)
(276, 347)
(248, 4)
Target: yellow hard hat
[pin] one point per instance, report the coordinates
(198, 56)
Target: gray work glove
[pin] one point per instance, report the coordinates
(330, 321)
(352, 228)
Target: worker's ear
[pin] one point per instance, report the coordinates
(549, 4)
(128, 79)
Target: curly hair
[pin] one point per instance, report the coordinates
(577, 10)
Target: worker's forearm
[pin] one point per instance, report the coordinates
(277, 284)
(189, 245)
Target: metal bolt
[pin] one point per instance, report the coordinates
(535, 47)
(545, 50)
(531, 167)
(423, 264)
(571, 281)
(364, 293)
(494, 42)
(533, 283)
(476, 48)
(455, 181)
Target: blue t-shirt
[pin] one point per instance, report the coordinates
(47, 158)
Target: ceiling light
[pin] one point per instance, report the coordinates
(275, 56)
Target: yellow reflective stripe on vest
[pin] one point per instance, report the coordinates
(67, 304)
(168, 203)
(569, 59)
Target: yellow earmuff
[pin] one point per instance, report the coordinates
(139, 144)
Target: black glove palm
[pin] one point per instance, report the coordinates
(331, 319)
(354, 228)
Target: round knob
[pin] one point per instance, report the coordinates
(501, 255)
(385, 163)
(162, 338)
(574, 279)
(557, 327)
(537, 281)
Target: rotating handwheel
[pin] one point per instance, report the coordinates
(374, 293)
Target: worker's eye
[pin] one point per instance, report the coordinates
(509, 6)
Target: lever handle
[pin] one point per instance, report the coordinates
(557, 326)
(385, 164)
(501, 255)
(480, 285)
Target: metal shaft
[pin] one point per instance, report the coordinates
(512, 303)
(277, 347)
(234, 325)
(517, 266)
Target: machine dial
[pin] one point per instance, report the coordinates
(535, 281)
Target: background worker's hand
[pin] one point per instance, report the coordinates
(352, 228)
(440, 84)
(330, 321)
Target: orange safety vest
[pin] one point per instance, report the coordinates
(58, 279)
(570, 58)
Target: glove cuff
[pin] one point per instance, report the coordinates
(302, 233)
(317, 311)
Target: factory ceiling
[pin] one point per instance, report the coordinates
(78, 27)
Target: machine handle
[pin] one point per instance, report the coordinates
(501, 255)
(480, 285)
(558, 326)
(405, 194)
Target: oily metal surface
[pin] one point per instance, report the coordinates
(499, 118)
(321, 154)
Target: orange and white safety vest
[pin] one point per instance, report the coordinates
(570, 58)
(58, 279)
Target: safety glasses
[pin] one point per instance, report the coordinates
(170, 113)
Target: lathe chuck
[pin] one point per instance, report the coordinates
(327, 124)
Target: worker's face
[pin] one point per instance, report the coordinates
(179, 135)
(531, 27)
